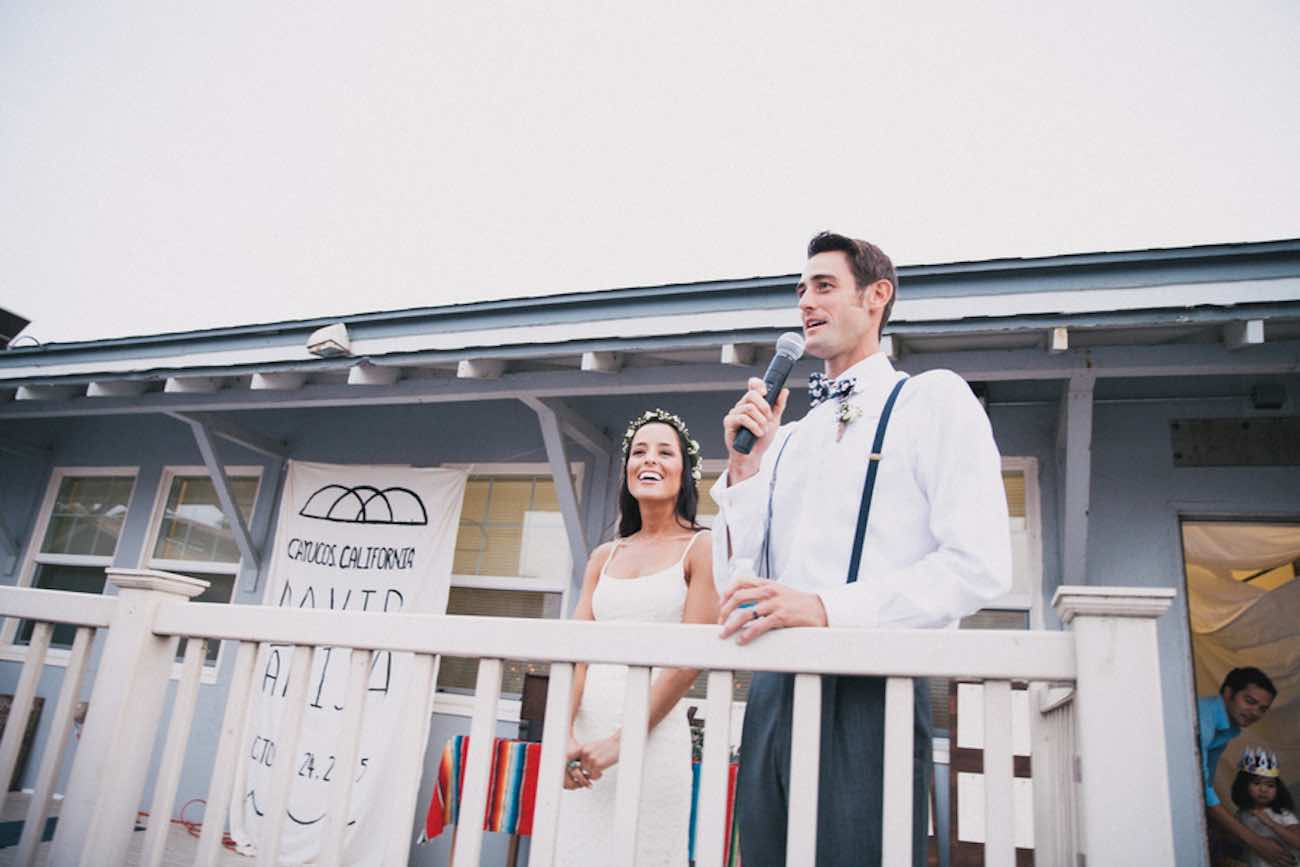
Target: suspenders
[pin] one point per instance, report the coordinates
(868, 490)
(869, 487)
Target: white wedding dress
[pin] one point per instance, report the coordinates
(587, 815)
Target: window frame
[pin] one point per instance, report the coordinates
(208, 674)
(508, 709)
(1031, 602)
(517, 582)
(32, 556)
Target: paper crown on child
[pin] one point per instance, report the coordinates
(1259, 762)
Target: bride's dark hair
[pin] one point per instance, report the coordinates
(688, 497)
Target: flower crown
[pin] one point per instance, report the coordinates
(1259, 762)
(674, 421)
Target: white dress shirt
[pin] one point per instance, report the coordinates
(938, 543)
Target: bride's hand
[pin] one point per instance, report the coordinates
(574, 778)
(598, 756)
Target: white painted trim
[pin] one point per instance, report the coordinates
(208, 675)
(602, 362)
(522, 468)
(480, 368)
(1072, 601)
(1058, 339)
(998, 654)
(47, 392)
(278, 381)
(366, 373)
(462, 704)
(73, 559)
(1028, 466)
(192, 566)
(739, 354)
(32, 556)
(508, 582)
(1247, 332)
(914, 310)
(116, 388)
(193, 384)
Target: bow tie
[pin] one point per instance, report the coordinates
(820, 388)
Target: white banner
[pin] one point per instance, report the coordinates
(354, 538)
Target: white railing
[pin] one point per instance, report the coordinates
(1108, 658)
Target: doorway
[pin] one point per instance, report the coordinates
(1243, 604)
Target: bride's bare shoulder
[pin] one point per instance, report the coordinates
(601, 553)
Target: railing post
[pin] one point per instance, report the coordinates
(126, 704)
(1120, 723)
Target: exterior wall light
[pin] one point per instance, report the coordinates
(330, 341)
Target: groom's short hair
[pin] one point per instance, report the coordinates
(867, 262)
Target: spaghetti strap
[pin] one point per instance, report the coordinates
(618, 543)
(685, 550)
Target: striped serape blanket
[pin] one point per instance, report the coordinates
(512, 793)
(512, 790)
(730, 848)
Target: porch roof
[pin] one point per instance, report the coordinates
(1128, 313)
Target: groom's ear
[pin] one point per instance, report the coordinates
(878, 295)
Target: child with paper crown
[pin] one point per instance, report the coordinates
(1263, 803)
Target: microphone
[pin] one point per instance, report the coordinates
(789, 348)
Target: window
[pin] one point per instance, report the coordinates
(1020, 479)
(512, 559)
(707, 510)
(1022, 607)
(79, 528)
(191, 536)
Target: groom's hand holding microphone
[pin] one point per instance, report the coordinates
(751, 606)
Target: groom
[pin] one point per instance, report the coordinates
(933, 544)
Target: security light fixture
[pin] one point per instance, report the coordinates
(330, 341)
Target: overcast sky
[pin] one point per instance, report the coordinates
(190, 165)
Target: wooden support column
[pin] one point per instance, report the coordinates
(581, 431)
(251, 440)
(1074, 476)
(276, 472)
(9, 547)
(557, 456)
(225, 496)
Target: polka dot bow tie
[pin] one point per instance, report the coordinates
(820, 388)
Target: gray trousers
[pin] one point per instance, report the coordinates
(849, 795)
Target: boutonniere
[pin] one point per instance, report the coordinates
(846, 415)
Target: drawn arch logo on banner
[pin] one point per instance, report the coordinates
(349, 538)
(365, 504)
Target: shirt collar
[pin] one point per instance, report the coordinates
(1222, 722)
(875, 375)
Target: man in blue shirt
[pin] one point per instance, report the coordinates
(1243, 699)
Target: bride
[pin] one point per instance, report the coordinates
(658, 569)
